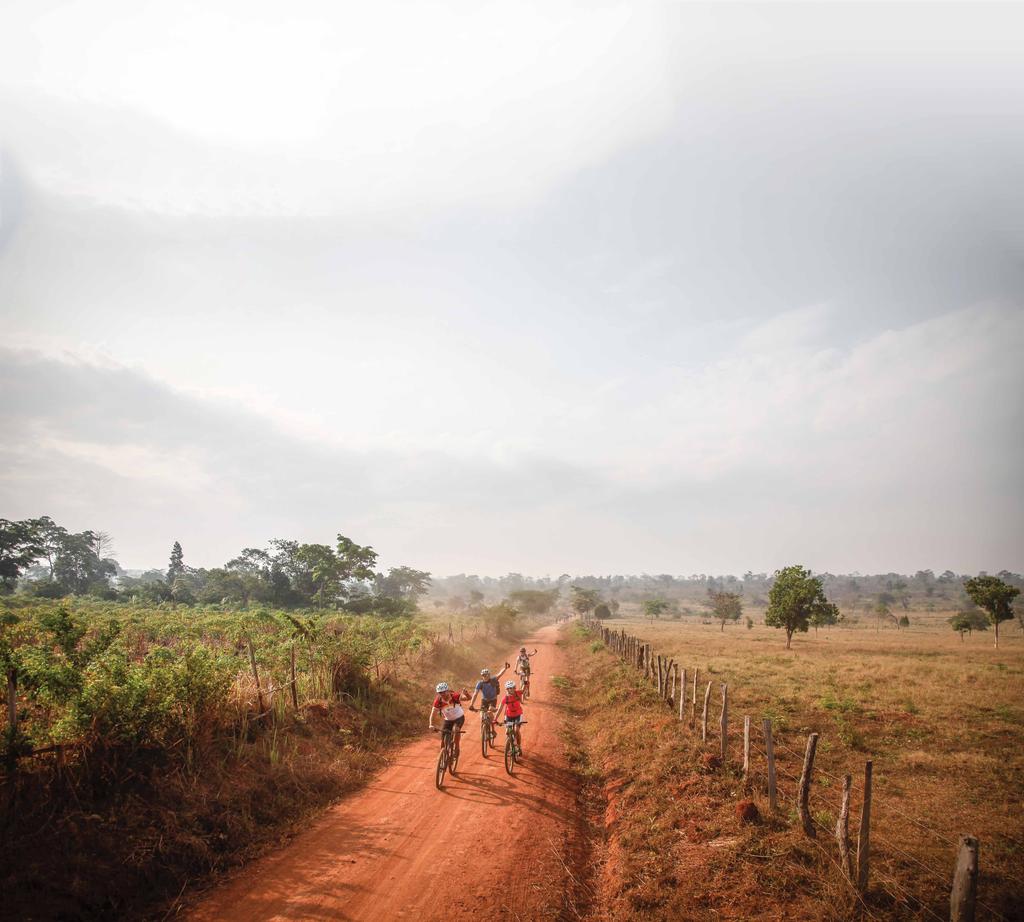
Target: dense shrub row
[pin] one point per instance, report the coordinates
(111, 674)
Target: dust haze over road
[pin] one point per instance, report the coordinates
(403, 849)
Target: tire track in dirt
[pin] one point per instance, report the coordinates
(401, 849)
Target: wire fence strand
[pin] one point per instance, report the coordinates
(734, 732)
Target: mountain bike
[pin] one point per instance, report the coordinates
(487, 734)
(448, 757)
(513, 750)
(525, 682)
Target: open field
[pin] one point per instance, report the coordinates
(942, 719)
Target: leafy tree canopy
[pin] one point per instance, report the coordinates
(795, 597)
(994, 596)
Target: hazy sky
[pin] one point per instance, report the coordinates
(540, 287)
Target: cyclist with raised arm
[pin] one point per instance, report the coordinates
(523, 666)
(512, 706)
(487, 688)
(448, 704)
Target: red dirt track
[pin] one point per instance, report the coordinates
(486, 844)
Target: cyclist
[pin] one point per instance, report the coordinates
(523, 665)
(512, 705)
(487, 688)
(448, 705)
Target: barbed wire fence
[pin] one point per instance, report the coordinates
(690, 700)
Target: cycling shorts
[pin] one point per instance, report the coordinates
(514, 720)
(458, 722)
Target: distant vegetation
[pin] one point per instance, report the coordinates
(856, 596)
(43, 559)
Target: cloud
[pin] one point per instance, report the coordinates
(594, 287)
(882, 455)
(388, 109)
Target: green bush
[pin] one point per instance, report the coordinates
(160, 701)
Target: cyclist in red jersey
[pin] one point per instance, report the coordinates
(512, 706)
(448, 704)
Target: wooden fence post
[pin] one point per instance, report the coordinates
(769, 751)
(682, 693)
(724, 722)
(693, 706)
(255, 672)
(746, 748)
(864, 835)
(661, 681)
(704, 715)
(805, 786)
(843, 827)
(965, 881)
(670, 686)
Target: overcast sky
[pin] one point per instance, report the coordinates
(550, 287)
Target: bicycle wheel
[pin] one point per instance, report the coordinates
(510, 754)
(442, 764)
(453, 760)
(484, 737)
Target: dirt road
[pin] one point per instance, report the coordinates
(487, 844)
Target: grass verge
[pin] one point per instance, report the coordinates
(667, 842)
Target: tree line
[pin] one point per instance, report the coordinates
(41, 558)
(797, 601)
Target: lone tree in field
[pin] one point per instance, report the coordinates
(726, 606)
(584, 600)
(967, 622)
(825, 617)
(533, 601)
(796, 596)
(994, 596)
(602, 612)
(654, 607)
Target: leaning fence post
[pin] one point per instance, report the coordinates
(965, 881)
(805, 785)
(864, 836)
(724, 722)
(746, 748)
(704, 715)
(843, 827)
(769, 751)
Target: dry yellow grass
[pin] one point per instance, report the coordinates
(942, 719)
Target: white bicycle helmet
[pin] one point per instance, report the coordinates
(510, 685)
(441, 687)
(485, 672)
